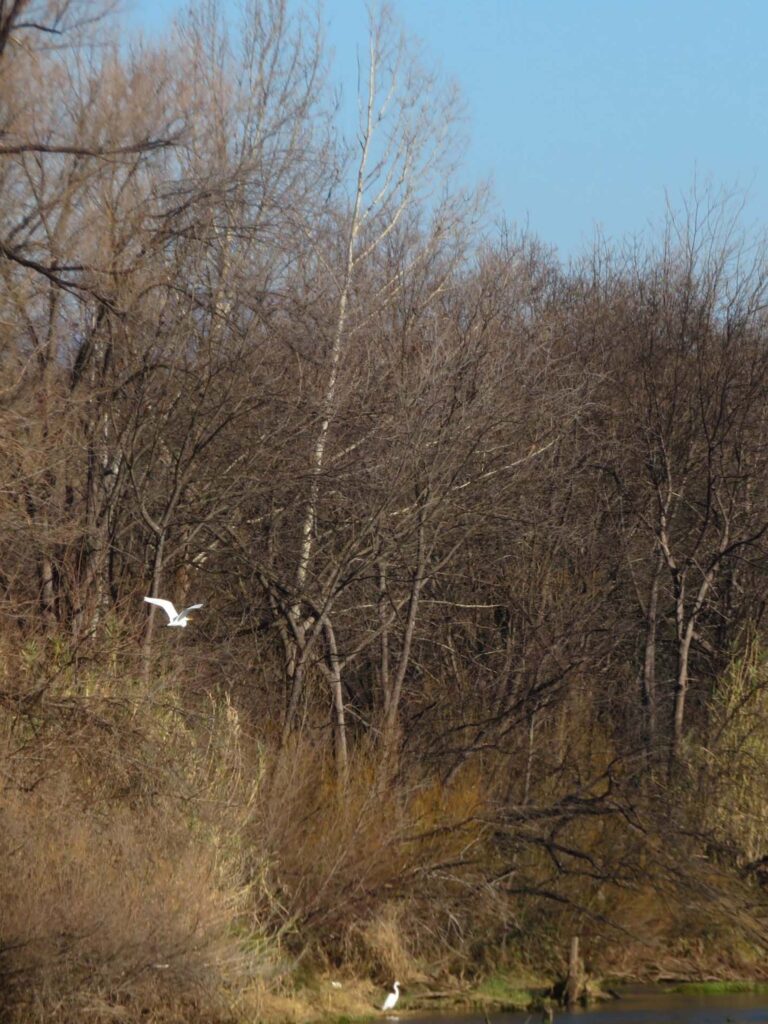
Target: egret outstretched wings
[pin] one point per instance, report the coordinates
(167, 607)
(192, 607)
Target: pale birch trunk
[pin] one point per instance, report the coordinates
(317, 459)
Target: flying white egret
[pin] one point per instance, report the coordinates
(394, 995)
(176, 618)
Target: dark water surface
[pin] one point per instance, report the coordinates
(655, 1008)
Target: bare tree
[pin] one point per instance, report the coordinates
(402, 143)
(688, 458)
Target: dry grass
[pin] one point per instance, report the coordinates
(158, 863)
(383, 939)
(123, 871)
(154, 860)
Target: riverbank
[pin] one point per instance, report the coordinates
(343, 1000)
(347, 1000)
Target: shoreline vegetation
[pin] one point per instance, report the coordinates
(496, 994)
(356, 1000)
(149, 869)
(479, 540)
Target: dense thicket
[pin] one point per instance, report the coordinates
(481, 539)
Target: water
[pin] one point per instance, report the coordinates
(643, 1008)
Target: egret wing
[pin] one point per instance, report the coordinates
(191, 608)
(167, 606)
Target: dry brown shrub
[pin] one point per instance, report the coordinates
(123, 870)
(362, 874)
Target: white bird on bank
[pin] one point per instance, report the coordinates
(391, 1001)
(176, 618)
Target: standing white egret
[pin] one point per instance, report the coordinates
(176, 618)
(391, 1000)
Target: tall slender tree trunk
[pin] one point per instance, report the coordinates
(529, 759)
(339, 714)
(649, 699)
(391, 724)
(686, 627)
(149, 629)
(296, 667)
(328, 408)
(681, 692)
(384, 623)
(47, 587)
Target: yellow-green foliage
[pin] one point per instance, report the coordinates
(734, 764)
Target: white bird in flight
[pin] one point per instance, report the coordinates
(176, 618)
(394, 995)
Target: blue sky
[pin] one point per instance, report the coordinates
(587, 113)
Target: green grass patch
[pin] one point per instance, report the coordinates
(719, 988)
(346, 1018)
(507, 993)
